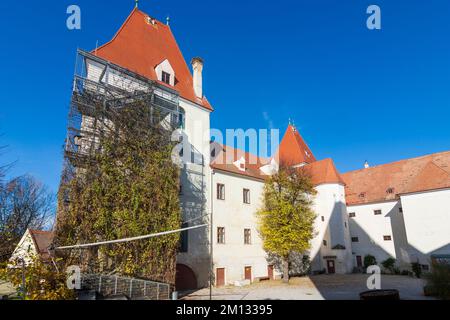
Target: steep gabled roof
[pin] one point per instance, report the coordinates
(293, 149)
(42, 240)
(386, 182)
(140, 46)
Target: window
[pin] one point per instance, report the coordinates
(352, 214)
(355, 239)
(184, 238)
(220, 191)
(323, 219)
(425, 267)
(165, 77)
(246, 195)
(376, 212)
(221, 235)
(390, 191)
(325, 243)
(247, 236)
(345, 224)
(400, 210)
(387, 238)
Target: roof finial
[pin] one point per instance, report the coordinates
(136, 3)
(168, 20)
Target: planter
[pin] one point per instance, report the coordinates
(390, 294)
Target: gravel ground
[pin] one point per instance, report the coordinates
(321, 287)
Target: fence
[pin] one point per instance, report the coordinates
(135, 289)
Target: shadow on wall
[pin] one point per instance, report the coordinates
(194, 257)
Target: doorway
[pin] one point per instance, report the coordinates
(359, 261)
(330, 267)
(220, 277)
(270, 271)
(248, 273)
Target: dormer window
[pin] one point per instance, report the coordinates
(165, 73)
(165, 77)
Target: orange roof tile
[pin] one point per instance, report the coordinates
(324, 171)
(226, 155)
(386, 182)
(140, 47)
(293, 149)
(321, 172)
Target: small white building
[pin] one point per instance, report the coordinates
(33, 245)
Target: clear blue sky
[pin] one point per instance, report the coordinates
(355, 94)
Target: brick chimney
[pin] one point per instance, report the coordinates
(197, 68)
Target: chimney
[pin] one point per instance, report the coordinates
(197, 67)
(366, 165)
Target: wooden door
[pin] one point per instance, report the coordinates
(270, 271)
(358, 261)
(220, 277)
(248, 273)
(330, 266)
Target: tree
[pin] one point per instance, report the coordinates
(286, 220)
(128, 188)
(369, 260)
(389, 264)
(24, 203)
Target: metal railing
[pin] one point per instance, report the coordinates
(135, 289)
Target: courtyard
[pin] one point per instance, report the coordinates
(320, 287)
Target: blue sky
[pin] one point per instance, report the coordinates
(354, 94)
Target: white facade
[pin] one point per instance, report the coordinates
(427, 224)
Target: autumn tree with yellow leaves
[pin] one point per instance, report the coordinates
(286, 219)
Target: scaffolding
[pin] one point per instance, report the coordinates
(100, 89)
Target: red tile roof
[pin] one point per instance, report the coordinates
(324, 171)
(140, 47)
(42, 240)
(225, 156)
(293, 149)
(388, 181)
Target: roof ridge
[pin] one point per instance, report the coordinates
(399, 161)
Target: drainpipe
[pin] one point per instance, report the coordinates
(211, 237)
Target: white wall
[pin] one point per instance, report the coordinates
(25, 249)
(427, 223)
(195, 197)
(370, 229)
(329, 203)
(235, 216)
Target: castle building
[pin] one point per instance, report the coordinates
(399, 210)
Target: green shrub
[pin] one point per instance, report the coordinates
(438, 281)
(369, 260)
(417, 269)
(389, 264)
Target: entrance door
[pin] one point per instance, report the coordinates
(220, 274)
(270, 272)
(330, 266)
(358, 261)
(248, 273)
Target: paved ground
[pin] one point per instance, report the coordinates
(321, 287)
